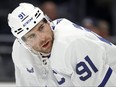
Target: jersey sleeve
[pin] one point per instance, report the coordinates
(24, 78)
(24, 69)
(110, 55)
(20, 55)
(88, 60)
(29, 69)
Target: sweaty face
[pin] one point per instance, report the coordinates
(40, 38)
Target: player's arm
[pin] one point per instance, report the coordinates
(110, 55)
(87, 59)
(21, 63)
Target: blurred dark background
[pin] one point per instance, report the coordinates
(97, 15)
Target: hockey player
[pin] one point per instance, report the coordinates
(58, 53)
(32, 68)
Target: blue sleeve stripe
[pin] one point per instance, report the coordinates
(104, 40)
(106, 78)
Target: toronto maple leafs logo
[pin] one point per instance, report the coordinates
(30, 70)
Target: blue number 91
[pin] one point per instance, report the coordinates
(83, 70)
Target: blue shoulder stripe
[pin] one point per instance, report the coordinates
(106, 78)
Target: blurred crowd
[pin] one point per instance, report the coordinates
(96, 15)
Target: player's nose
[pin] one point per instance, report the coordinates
(41, 37)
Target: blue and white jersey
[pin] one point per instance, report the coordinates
(30, 70)
(34, 70)
(83, 56)
(79, 57)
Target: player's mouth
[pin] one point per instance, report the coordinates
(46, 45)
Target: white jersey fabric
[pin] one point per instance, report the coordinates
(79, 57)
(30, 70)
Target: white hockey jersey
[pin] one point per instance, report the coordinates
(34, 70)
(79, 57)
(82, 55)
(30, 70)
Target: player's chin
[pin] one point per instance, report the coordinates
(47, 49)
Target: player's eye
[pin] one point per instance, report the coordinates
(32, 36)
(41, 27)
